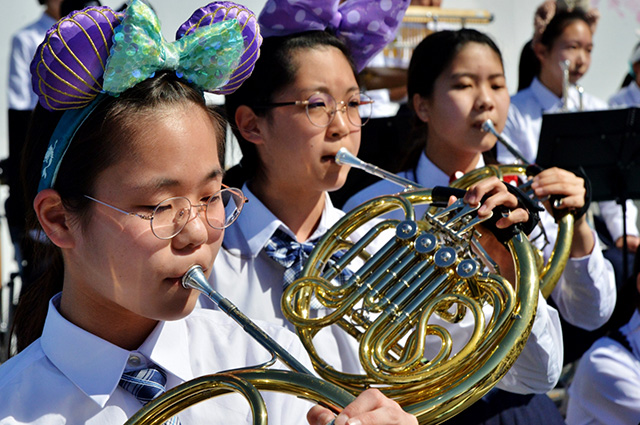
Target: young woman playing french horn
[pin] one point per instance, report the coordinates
(127, 187)
(290, 131)
(456, 83)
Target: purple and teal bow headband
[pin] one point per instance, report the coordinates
(365, 26)
(97, 52)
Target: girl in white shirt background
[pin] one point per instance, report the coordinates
(452, 96)
(560, 35)
(606, 385)
(565, 34)
(102, 177)
(629, 94)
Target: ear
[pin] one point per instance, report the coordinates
(540, 50)
(247, 123)
(53, 218)
(420, 107)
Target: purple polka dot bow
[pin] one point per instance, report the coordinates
(366, 26)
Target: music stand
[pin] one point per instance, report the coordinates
(605, 145)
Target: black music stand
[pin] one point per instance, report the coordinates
(604, 145)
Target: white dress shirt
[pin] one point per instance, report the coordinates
(71, 376)
(244, 273)
(626, 97)
(524, 122)
(606, 386)
(586, 292)
(23, 47)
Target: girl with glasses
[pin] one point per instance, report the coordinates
(456, 83)
(288, 168)
(126, 189)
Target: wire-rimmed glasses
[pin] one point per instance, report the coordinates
(170, 216)
(321, 108)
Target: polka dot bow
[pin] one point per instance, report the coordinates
(365, 26)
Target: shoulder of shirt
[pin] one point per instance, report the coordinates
(13, 368)
(382, 187)
(217, 319)
(522, 99)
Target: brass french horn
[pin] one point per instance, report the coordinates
(430, 267)
(551, 270)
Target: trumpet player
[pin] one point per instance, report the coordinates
(563, 38)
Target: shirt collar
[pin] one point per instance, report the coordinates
(429, 175)
(545, 97)
(255, 226)
(46, 21)
(95, 365)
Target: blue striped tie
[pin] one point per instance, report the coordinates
(145, 385)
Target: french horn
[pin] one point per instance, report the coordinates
(430, 267)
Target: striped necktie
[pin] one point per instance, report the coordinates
(145, 385)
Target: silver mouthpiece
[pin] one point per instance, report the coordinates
(488, 127)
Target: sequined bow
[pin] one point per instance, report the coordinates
(365, 26)
(207, 57)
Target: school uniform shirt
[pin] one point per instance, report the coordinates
(586, 292)
(71, 376)
(23, 46)
(244, 273)
(606, 386)
(626, 97)
(524, 122)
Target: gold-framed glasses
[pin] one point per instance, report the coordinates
(321, 108)
(170, 216)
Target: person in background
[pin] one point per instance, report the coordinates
(21, 99)
(606, 384)
(629, 93)
(564, 33)
(127, 186)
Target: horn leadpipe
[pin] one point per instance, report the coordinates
(195, 279)
(344, 157)
(488, 127)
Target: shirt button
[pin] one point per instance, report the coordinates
(134, 360)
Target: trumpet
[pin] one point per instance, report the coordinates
(566, 84)
(246, 382)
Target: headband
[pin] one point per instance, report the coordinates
(97, 52)
(547, 10)
(365, 26)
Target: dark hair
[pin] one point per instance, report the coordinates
(69, 6)
(552, 32)
(528, 67)
(42, 1)
(99, 143)
(429, 60)
(274, 71)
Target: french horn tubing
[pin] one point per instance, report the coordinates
(246, 382)
(550, 271)
(430, 267)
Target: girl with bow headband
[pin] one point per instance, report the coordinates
(124, 171)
